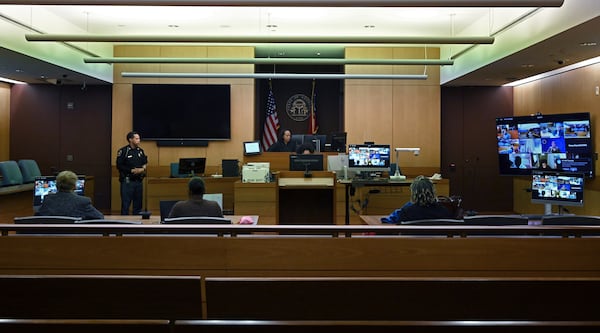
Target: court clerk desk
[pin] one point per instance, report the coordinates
(262, 199)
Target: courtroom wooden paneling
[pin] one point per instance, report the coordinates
(303, 256)
(402, 113)
(568, 92)
(256, 199)
(4, 121)
(242, 100)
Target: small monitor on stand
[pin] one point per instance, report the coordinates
(557, 188)
(192, 166)
(306, 163)
(368, 159)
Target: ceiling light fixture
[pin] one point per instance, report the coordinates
(268, 61)
(309, 3)
(294, 76)
(359, 39)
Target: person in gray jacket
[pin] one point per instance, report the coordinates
(66, 203)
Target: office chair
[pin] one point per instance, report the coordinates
(29, 170)
(11, 174)
(496, 220)
(570, 220)
(197, 220)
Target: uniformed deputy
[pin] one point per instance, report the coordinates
(131, 163)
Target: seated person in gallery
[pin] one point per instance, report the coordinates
(196, 205)
(423, 204)
(284, 143)
(67, 203)
(305, 148)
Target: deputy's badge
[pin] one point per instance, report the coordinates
(298, 107)
(119, 152)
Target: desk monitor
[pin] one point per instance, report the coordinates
(44, 185)
(317, 140)
(306, 163)
(297, 140)
(252, 148)
(192, 166)
(368, 158)
(557, 188)
(338, 142)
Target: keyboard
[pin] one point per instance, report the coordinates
(370, 180)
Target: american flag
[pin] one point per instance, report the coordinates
(271, 123)
(312, 120)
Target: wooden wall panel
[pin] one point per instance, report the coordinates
(4, 121)
(242, 102)
(572, 91)
(403, 113)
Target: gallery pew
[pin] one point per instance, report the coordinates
(97, 302)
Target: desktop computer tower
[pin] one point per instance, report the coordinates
(231, 168)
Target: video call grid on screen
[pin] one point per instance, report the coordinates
(560, 142)
(365, 156)
(557, 188)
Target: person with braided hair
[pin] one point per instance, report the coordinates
(423, 204)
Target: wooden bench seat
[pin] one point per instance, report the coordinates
(406, 299)
(99, 297)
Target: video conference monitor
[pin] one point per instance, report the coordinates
(558, 142)
(557, 188)
(192, 166)
(368, 158)
(45, 185)
(306, 162)
(252, 148)
(337, 142)
(317, 140)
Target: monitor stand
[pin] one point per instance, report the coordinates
(547, 209)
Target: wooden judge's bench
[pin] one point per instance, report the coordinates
(292, 198)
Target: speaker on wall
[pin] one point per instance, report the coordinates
(231, 168)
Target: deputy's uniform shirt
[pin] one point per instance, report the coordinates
(129, 158)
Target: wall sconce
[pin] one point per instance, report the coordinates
(397, 175)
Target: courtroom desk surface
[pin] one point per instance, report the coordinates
(376, 220)
(155, 219)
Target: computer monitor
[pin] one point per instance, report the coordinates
(297, 140)
(368, 158)
(317, 140)
(44, 185)
(252, 148)
(192, 166)
(557, 188)
(337, 142)
(306, 163)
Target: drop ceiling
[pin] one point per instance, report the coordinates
(528, 41)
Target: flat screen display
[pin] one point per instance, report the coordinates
(45, 185)
(557, 188)
(192, 166)
(558, 142)
(306, 162)
(368, 157)
(182, 111)
(252, 148)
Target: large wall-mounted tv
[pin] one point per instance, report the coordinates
(179, 112)
(558, 142)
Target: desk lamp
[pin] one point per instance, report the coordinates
(397, 175)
